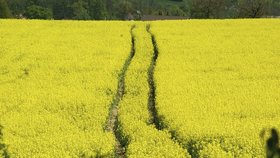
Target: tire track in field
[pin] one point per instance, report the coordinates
(112, 122)
(155, 118)
(152, 94)
(3, 146)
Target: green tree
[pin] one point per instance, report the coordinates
(17, 6)
(97, 9)
(253, 8)
(207, 8)
(124, 9)
(4, 9)
(38, 12)
(62, 9)
(176, 11)
(80, 10)
(274, 8)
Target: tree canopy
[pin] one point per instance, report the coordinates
(4, 9)
(122, 9)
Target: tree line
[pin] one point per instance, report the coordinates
(134, 9)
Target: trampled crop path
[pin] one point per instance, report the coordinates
(156, 120)
(152, 96)
(112, 122)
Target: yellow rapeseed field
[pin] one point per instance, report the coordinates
(190, 88)
(57, 80)
(218, 84)
(143, 139)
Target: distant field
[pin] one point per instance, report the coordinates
(193, 88)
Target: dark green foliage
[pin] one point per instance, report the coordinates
(4, 9)
(17, 6)
(80, 11)
(124, 9)
(274, 8)
(97, 9)
(62, 10)
(127, 9)
(38, 12)
(207, 8)
(253, 8)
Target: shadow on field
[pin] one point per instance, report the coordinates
(3, 146)
(272, 143)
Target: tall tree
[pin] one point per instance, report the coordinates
(4, 9)
(124, 9)
(207, 8)
(80, 10)
(109, 5)
(97, 9)
(252, 8)
(231, 9)
(17, 6)
(274, 8)
(62, 9)
(38, 12)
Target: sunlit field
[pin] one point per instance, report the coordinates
(57, 80)
(218, 84)
(189, 88)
